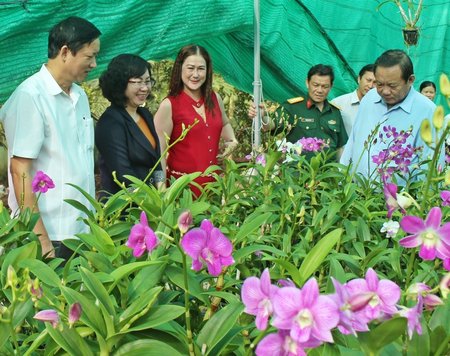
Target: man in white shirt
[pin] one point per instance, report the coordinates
(349, 103)
(49, 128)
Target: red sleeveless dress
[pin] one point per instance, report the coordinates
(200, 147)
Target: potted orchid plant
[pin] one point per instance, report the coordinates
(410, 12)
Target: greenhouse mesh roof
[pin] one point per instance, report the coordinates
(294, 36)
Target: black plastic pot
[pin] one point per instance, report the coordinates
(411, 36)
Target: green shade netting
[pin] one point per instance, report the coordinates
(294, 36)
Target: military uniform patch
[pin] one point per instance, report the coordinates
(332, 122)
(307, 119)
(296, 100)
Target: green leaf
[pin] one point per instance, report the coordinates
(97, 206)
(248, 250)
(420, 344)
(219, 325)
(146, 348)
(125, 270)
(90, 313)
(139, 304)
(77, 205)
(382, 335)
(42, 271)
(99, 239)
(318, 253)
(175, 274)
(177, 187)
(229, 297)
(441, 316)
(5, 331)
(14, 257)
(157, 315)
(97, 289)
(145, 279)
(69, 340)
(252, 223)
(290, 268)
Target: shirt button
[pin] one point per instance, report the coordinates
(206, 125)
(210, 162)
(210, 150)
(209, 137)
(307, 127)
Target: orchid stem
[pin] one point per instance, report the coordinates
(186, 307)
(411, 261)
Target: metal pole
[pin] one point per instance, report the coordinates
(256, 78)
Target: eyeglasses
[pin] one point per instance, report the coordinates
(140, 83)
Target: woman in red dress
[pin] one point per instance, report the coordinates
(192, 102)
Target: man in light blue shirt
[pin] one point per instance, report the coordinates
(394, 103)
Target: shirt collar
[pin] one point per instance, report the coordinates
(54, 88)
(405, 104)
(354, 99)
(311, 105)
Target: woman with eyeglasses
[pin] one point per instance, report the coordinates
(192, 102)
(125, 134)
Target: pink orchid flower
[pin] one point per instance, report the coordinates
(41, 183)
(385, 295)
(308, 315)
(142, 237)
(349, 323)
(257, 297)
(433, 239)
(280, 343)
(445, 196)
(208, 245)
(48, 315)
(390, 194)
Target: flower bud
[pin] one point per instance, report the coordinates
(425, 132)
(74, 313)
(185, 221)
(444, 85)
(444, 286)
(359, 301)
(48, 315)
(11, 277)
(438, 117)
(447, 177)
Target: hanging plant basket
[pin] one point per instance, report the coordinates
(411, 36)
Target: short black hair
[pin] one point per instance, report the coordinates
(427, 83)
(322, 70)
(73, 32)
(114, 80)
(366, 68)
(394, 57)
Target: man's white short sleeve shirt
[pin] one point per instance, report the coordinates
(56, 130)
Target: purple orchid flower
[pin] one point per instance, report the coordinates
(421, 290)
(257, 297)
(308, 315)
(349, 323)
(41, 183)
(208, 245)
(48, 315)
(413, 316)
(446, 264)
(312, 144)
(445, 196)
(142, 237)
(279, 344)
(385, 295)
(433, 239)
(390, 194)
